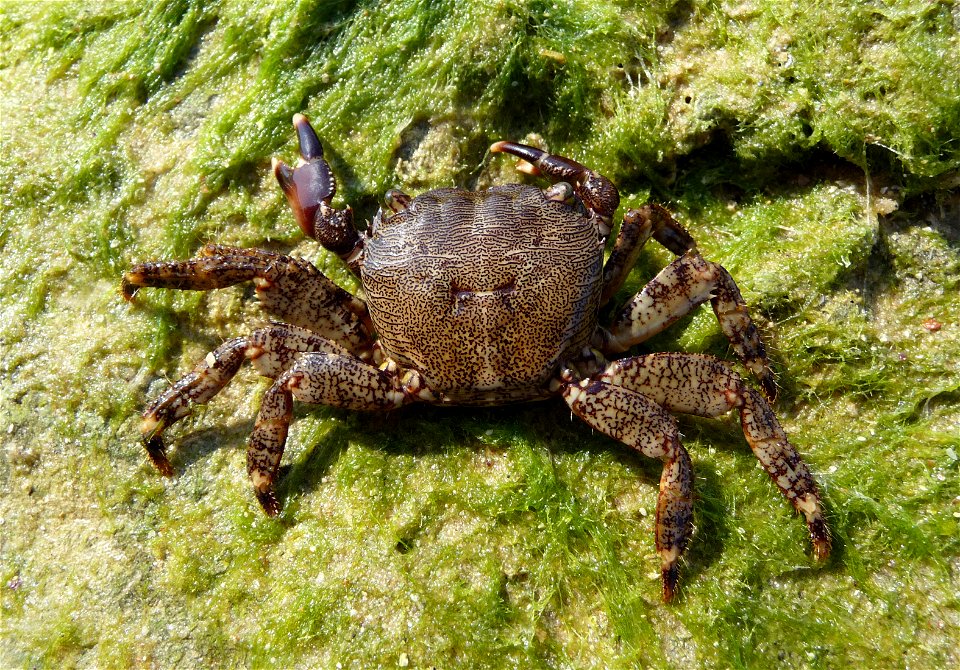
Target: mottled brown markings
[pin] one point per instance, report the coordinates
(271, 350)
(289, 289)
(463, 294)
(334, 379)
(639, 422)
(679, 288)
(450, 297)
(706, 386)
(635, 230)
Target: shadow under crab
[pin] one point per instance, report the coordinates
(486, 298)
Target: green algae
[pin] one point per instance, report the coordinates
(783, 137)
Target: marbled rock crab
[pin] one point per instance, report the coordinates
(485, 298)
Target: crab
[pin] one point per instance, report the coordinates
(486, 297)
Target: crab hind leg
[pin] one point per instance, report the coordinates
(640, 423)
(270, 349)
(706, 386)
(337, 380)
(683, 285)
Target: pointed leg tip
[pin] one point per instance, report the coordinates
(669, 576)
(157, 453)
(819, 534)
(768, 385)
(130, 283)
(128, 290)
(822, 545)
(268, 501)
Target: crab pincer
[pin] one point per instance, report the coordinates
(596, 191)
(310, 187)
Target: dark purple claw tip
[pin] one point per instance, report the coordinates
(527, 153)
(558, 167)
(284, 174)
(310, 147)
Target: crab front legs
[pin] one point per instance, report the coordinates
(289, 289)
(271, 350)
(325, 378)
(629, 401)
(597, 193)
(304, 366)
(310, 187)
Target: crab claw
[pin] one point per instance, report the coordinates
(596, 191)
(309, 188)
(311, 182)
(554, 166)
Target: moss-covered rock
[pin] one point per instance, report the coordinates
(811, 150)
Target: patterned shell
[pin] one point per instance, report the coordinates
(484, 292)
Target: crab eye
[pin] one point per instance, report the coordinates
(559, 192)
(396, 200)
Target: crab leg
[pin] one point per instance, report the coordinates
(337, 380)
(310, 187)
(271, 350)
(596, 191)
(289, 289)
(705, 386)
(638, 226)
(683, 285)
(638, 422)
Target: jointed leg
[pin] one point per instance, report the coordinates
(271, 350)
(595, 191)
(706, 386)
(638, 226)
(680, 287)
(337, 380)
(289, 289)
(639, 422)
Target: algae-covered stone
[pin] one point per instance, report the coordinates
(785, 137)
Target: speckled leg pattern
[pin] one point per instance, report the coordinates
(290, 289)
(337, 380)
(638, 422)
(638, 226)
(683, 285)
(271, 350)
(704, 386)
